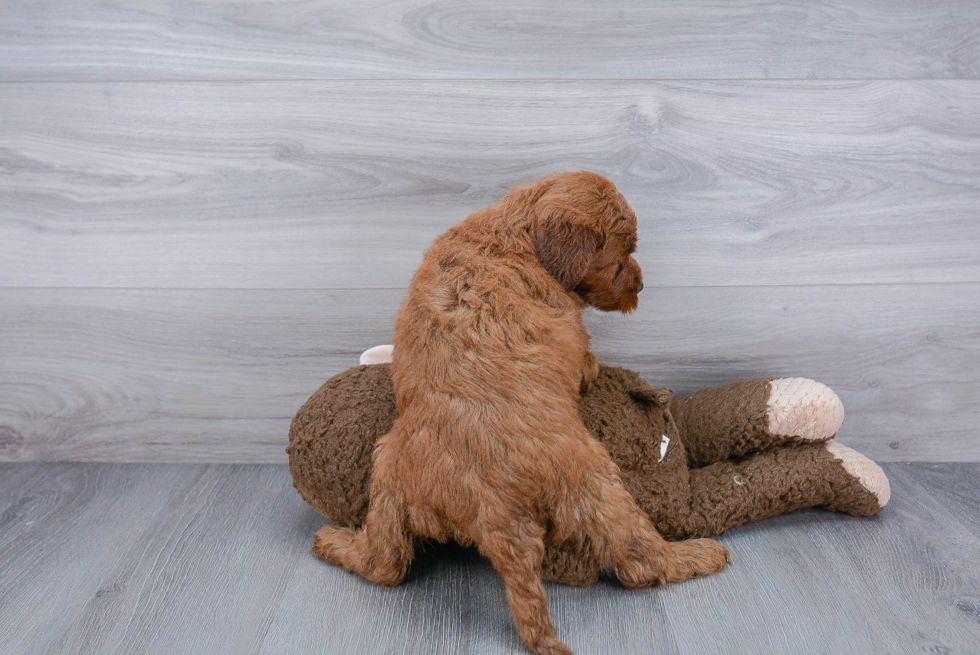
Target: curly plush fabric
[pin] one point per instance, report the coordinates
(331, 439)
(739, 413)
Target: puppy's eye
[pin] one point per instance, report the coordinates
(619, 269)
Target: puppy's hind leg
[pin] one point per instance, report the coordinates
(640, 556)
(516, 551)
(380, 550)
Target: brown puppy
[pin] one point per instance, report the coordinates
(490, 356)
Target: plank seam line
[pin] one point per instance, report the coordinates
(405, 288)
(450, 80)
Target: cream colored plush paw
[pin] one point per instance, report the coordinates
(377, 355)
(868, 473)
(804, 408)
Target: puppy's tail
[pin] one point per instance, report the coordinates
(516, 552)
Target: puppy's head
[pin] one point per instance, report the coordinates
(585, 234)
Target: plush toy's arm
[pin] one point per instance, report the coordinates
(740, 418)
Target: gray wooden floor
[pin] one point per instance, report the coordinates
(150, 558)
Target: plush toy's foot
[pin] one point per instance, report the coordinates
(803, 408)
(869, 490)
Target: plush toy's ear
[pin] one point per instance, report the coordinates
(377, 355)
(646, 394)
(565, 242)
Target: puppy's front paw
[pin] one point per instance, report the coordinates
(590, 370)
(696, 557)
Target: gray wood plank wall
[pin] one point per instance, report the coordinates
(208, 209)
(512, 39)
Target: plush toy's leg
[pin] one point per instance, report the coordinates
(740, 418)
(783, 479)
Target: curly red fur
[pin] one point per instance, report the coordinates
(490, 357)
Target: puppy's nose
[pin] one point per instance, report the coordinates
(641, 287)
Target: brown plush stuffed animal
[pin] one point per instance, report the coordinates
(698, 464)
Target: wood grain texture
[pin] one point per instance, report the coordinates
(343, 184)
(216, 375)
(215, 559)
(902, 564)
(61, 530)
(147, 559)
(130, 39)
(949, 484)
(172, 375)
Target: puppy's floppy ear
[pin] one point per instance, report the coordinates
(565, 242)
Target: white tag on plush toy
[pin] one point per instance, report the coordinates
(664, 441)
